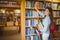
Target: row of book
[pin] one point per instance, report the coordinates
(31, 13)
(32, 38)
(8, 2)
(56, 13)
(58, 21)
(30, 31)
(32, 22)
(8, 16)
(31, 4)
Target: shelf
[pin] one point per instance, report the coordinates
(40, 0)
(28, 26)
(41, 9)
(13, 26)
(56, 2)
(56, 9)
(34, 9)
(12, 0)
(41, 17)
(9, 6)
(31, 35)
(33, 17)
(58, 17)
(56, 31)
(1, 25)
(58, 24)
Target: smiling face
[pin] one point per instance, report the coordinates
(37, 5)
(47, 13)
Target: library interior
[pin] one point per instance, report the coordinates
(19, 19)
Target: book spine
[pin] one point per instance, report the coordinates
(36, 37)
(31, 37)
(31, 14)
(28, 38)
(27, 31)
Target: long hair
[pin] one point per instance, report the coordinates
(51, 14)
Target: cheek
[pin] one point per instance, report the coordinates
(46, 13)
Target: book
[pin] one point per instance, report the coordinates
(26, 23)
(27, 31)
(47, 5)
(58, 6)
(32, 31)
(30, 14)
(27, 13)
(54, 6)
(31, 37)
(55, 13)
(28, 38)
(31, 22)
(36, 37)
(3, 2)
(58, 21)
(28, 4)
(35, 14)
(35, 22)
(32, 4)
(41, 4)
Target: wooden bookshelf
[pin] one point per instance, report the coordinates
(9, 8)
(33, 9)
(23, 19)
(6, 6)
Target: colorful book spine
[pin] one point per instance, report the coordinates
(41, 5)
(32, 22)
(32, 31)
(36, 37)
(28, 38)
(35, 14)
(35, 22)
(54, 6)
(26, 22)
(28, 4)
(58, 6)
(32, 4)
(30, 14)
(27, 31)
(27, 13)
(31, 37)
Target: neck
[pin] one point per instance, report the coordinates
(47, 15)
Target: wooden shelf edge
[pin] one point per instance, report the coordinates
(41, 9)
(31, 35)
(41, 17)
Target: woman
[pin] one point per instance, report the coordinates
(47, 21)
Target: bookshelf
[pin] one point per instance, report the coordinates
(10, 17)
(30, 15)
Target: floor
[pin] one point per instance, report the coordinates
(11, 37)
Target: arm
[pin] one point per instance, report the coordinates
(40, 13)
(46, 25)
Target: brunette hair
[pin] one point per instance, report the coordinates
(51, 14)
